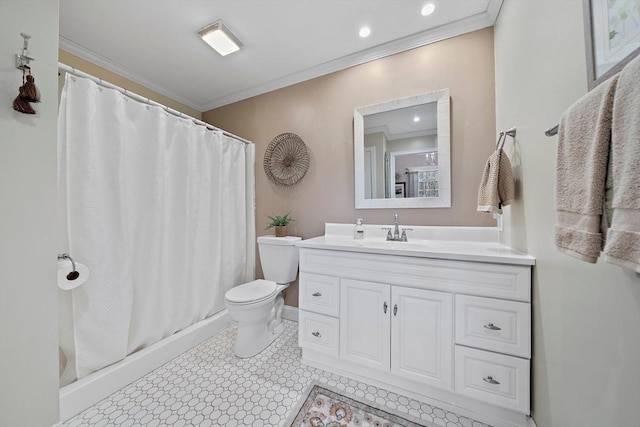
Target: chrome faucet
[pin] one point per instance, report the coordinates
(396, 230)
(396, 237)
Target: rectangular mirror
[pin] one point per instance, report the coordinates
(402, 153)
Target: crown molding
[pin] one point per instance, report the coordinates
(415, 134)
(493, 9)
(463, 26)
(97, 59)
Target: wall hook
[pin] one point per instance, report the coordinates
(23, 59)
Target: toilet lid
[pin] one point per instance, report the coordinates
(251, 292)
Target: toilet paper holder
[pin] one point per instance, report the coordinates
(74, 274)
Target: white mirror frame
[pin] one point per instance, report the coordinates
(444, 152)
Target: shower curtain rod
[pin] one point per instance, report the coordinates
(140, 98)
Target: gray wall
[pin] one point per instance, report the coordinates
(28, 292)
(586, 318)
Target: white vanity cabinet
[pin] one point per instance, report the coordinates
(421, 344)
(365, 323)
(400, 330)
(453, 333)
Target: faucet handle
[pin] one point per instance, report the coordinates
(404, 234)
(389, 236)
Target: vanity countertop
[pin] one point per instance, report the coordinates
(479, 244)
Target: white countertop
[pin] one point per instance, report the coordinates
(479, 244)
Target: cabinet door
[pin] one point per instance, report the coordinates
(365, 309)
(422, 336)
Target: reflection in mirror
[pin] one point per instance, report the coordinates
(402, 152)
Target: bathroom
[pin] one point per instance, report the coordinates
(526, 70)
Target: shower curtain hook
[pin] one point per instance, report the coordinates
(74, 274)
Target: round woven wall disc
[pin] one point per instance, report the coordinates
(286, 160)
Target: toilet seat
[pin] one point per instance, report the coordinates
(251, 292)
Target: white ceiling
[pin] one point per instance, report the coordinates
(154, 42)
(400, 123)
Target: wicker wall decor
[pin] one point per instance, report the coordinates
(286, 160)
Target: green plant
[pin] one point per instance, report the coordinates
(280, 220)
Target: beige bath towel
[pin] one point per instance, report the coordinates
(623, 237)
(583, 152)
(497, 187)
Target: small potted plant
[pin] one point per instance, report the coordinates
(280, 222)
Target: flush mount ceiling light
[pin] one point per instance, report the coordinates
(416, 119)
(364, 32)
(428, 9)
(218, 36)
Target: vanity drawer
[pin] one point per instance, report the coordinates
(493, 324)
(505, 281)
(319, 293)
(493, 378)
(318, 332)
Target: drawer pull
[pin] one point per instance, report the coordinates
(490, 380)
(317, 294)
(492, 327)
(318, 335)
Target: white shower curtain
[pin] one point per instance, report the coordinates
(157, 208)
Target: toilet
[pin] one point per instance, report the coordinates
(257, 306)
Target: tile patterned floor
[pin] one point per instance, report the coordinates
(209, 386)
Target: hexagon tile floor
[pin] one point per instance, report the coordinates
(209, 386)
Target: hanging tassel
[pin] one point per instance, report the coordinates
(22, 105)
(29, 91)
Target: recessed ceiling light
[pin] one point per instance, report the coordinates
(416, 119)
(218, 36)
(364, 32)
(428, 9)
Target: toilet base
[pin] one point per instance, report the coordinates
(253, 337)
(251, 340)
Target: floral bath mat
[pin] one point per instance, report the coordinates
(327, 407)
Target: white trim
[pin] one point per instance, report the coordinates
(97, 59)
(82, 394)
(290, 313)
(372, 168)
(463, 26)
(531, 422)
(443, 102)
(493, 10)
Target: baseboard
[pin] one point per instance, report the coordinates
(82, 394)
(290, 313)
(531, 422)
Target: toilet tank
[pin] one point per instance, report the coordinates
(279, 258)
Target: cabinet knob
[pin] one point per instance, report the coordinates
(395, 309)
(384, 307)
(317, 294)
(492, 327)
(490, 380)
(318, 335)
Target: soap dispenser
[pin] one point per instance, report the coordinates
(358, 232)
